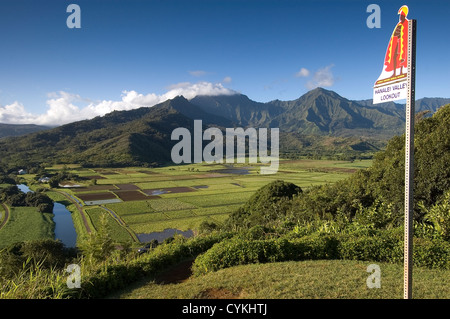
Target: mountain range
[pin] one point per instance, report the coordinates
(20, 129)
(320, 121)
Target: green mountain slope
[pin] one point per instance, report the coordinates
(325, 112)
(239, 109)
(133, 137)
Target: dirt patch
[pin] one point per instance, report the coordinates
(94, 177)
(334, 170)
(176, 274)
(200, 186)
(149, 172)
(94, 188)
(127, 187)
(130, 195)
(96, 196)
(181, 272)
(219, 293)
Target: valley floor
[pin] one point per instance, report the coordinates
(142, 202)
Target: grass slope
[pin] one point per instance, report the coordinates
(322, 279)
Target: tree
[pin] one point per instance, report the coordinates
(99, 245)
(16, 200)
(34, 199)
(45, 208)
(267, 206)
(54, 182)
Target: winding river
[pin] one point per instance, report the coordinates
(64, 228)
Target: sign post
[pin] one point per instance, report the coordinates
(396, 82)
(409, 161)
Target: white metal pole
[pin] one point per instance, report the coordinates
(409, 159)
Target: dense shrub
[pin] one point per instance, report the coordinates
(266, 207)
(239, 251)
(207, 227)
(439, 215)
(371, 248)
(387, 247)
(433, 253)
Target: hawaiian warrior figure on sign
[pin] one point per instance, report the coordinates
(395, 61)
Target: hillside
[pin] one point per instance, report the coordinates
(289, 280)
(118, 138)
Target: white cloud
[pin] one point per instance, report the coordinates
(189, 90)
(198, 73)
(14, 113)
(302, 73)
(227, 79)
(322, 77)
(64, 107)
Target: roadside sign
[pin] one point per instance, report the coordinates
(398, 81)
(391, 85)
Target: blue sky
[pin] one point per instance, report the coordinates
(139, 52)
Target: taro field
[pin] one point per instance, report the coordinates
(140, 200)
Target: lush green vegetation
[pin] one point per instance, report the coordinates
(283, 219)
(34, 269)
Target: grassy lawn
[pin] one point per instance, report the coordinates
(322, 279)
